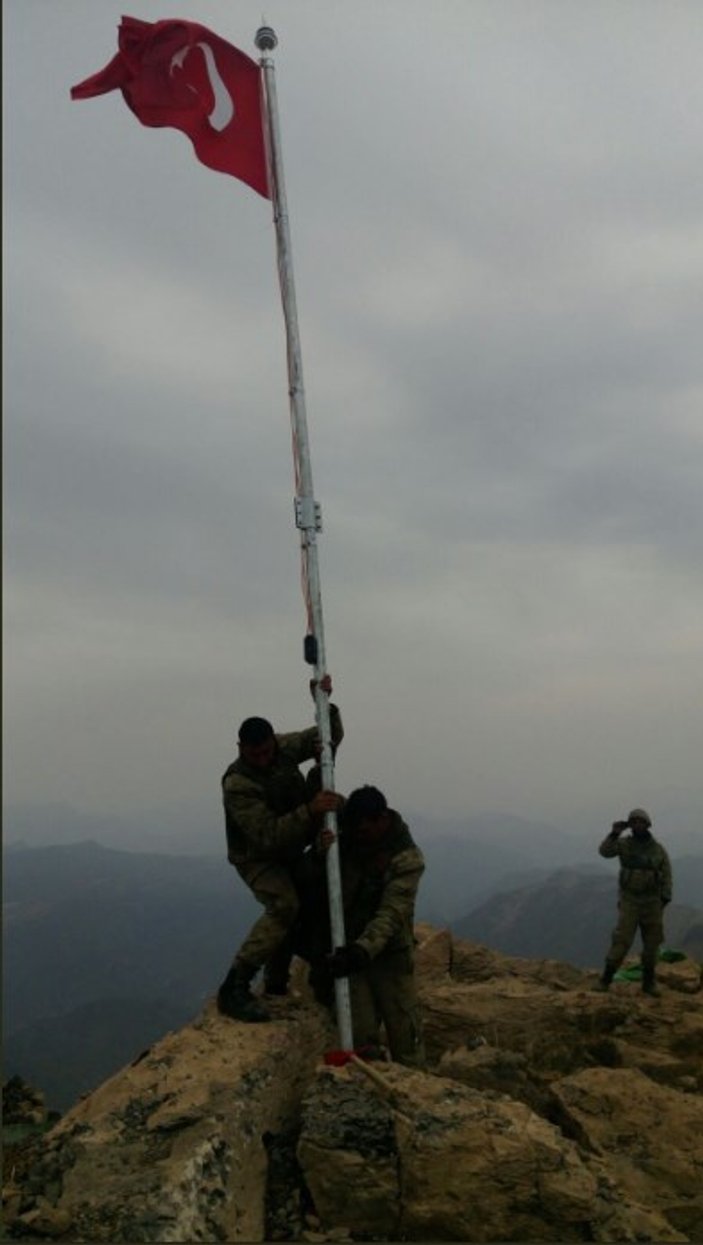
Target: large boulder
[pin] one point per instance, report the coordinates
(409, 1156)
(650, 1135)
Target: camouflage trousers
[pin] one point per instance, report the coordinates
(385, 993)
(644, 914)
(273, 886)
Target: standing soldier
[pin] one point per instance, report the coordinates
(270, 816)
(644, 892)
(381, 869)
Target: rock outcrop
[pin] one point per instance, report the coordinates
(549, 1113)
(441, 1162)
(174, 1147)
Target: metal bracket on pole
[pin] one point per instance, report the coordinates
(308, 514)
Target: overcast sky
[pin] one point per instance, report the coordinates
(497, 219)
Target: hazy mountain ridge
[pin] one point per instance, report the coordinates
(69, 1054)
(87, 922)
(469, 860)
(198, 829)
(91, 933)
(180, 830)
(569, 914)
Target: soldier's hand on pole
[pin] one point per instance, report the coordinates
(325, 839)
(350, 959)
(325, 683)
(324, 802)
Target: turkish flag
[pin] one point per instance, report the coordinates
(181, 74)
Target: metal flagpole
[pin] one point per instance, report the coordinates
(307, 511)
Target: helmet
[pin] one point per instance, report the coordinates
(640, 814)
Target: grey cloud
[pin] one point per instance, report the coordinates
(498, 249)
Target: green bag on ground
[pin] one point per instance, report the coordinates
(670, 956)
(634, 973)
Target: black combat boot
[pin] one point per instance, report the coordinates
(235, 999)
(649, 985)
(275, 986)
(603, 982)
(321, 983)
(277, 970)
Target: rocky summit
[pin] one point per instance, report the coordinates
(549, 1112)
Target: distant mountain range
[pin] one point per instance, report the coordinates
(569, 914)
(68, 1054)
(179, 830)
(105, 949)
(198, 830)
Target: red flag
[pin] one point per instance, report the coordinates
(181, 74)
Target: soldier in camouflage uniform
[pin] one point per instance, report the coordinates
(271, 816)
(381, 869)
(644, 892)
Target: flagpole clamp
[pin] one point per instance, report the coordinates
(308, 514)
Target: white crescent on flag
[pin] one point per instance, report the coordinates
(224, 110)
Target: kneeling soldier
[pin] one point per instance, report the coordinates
(381, 869)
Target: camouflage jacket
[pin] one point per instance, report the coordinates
(645, 869)
(266, 811)
(379, 890)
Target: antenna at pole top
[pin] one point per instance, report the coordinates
(265, 39)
